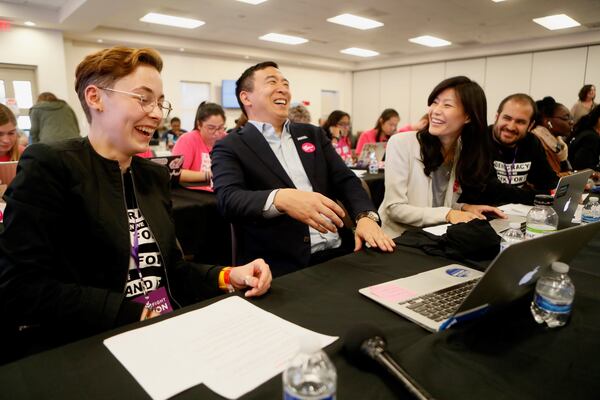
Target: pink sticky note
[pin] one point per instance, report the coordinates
(392, 292)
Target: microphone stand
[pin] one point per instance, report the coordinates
(375, 348)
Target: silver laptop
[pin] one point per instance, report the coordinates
(566, 199)
(439, 298)
(378, 148)
(568, 196)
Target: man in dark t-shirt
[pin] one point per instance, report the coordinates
(518, 156)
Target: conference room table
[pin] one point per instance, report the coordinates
(376, 184)
(201, 230)
(502, 355)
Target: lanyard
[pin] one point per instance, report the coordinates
(512, 168)
(135, 250)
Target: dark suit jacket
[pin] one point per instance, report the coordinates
(245, 171)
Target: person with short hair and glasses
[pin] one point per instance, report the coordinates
(89, 242)
(196, 145)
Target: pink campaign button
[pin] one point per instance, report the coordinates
(308, 147)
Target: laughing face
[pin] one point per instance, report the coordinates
(513, 122)
(270, 97)
(126, 128)
(447, 116)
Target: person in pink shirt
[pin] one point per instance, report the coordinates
(10, 150)
(386, 126)
(337, 128)
(196, 145)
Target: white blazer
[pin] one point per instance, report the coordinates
(408, 191)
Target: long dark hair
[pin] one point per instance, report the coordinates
(473, 165)
(333, 120)
(386, 115)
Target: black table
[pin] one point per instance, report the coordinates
(202, 232)
(376, 185)
(504, 355)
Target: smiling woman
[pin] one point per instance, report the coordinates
(196, 145)
(427, 171)
(89, 242)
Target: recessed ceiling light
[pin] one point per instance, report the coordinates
(246, 57)
(99, 40)
(554, 22)
(181, 49)
(430, 41)
(354, 21)
(279, 38)
(355, 51)
(170, 20)
(29, 23)
(253, 2)
(498, 1)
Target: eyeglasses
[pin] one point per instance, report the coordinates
(213, 128)
(344, 125)
(146, 102)
(565, 118)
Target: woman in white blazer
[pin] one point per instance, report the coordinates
(427, 171)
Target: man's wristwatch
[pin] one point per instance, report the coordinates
(372, 215)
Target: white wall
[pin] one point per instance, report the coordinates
(305, 83)
(558, 73)
(41, 48)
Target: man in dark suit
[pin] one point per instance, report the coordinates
(276, 181)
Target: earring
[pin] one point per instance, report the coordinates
(549, 124)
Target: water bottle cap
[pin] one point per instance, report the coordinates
(560, 267)
(593, 200)
(543, 200)
(514, 225)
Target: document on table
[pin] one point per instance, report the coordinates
(437, 230)
(516, 209)
(231, 346)
(359, 172)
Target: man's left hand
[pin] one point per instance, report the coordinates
(368, 231)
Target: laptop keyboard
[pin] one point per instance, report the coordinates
(440, 305)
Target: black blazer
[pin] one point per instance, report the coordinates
(245, 171)
(65, 249)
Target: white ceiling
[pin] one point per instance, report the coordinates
(232, 28)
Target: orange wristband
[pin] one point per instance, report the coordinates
(225, 281)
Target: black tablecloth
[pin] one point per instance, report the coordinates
(505, 355)
(201, 230)
(376, 185)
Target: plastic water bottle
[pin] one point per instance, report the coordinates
(310, 375)
(542, 218)
(373, 163)
(511, 236)
(591, 211)
(554, 293)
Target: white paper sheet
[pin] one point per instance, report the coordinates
(359, 172)
(516, 209)
(231, 346)
(437, 230)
